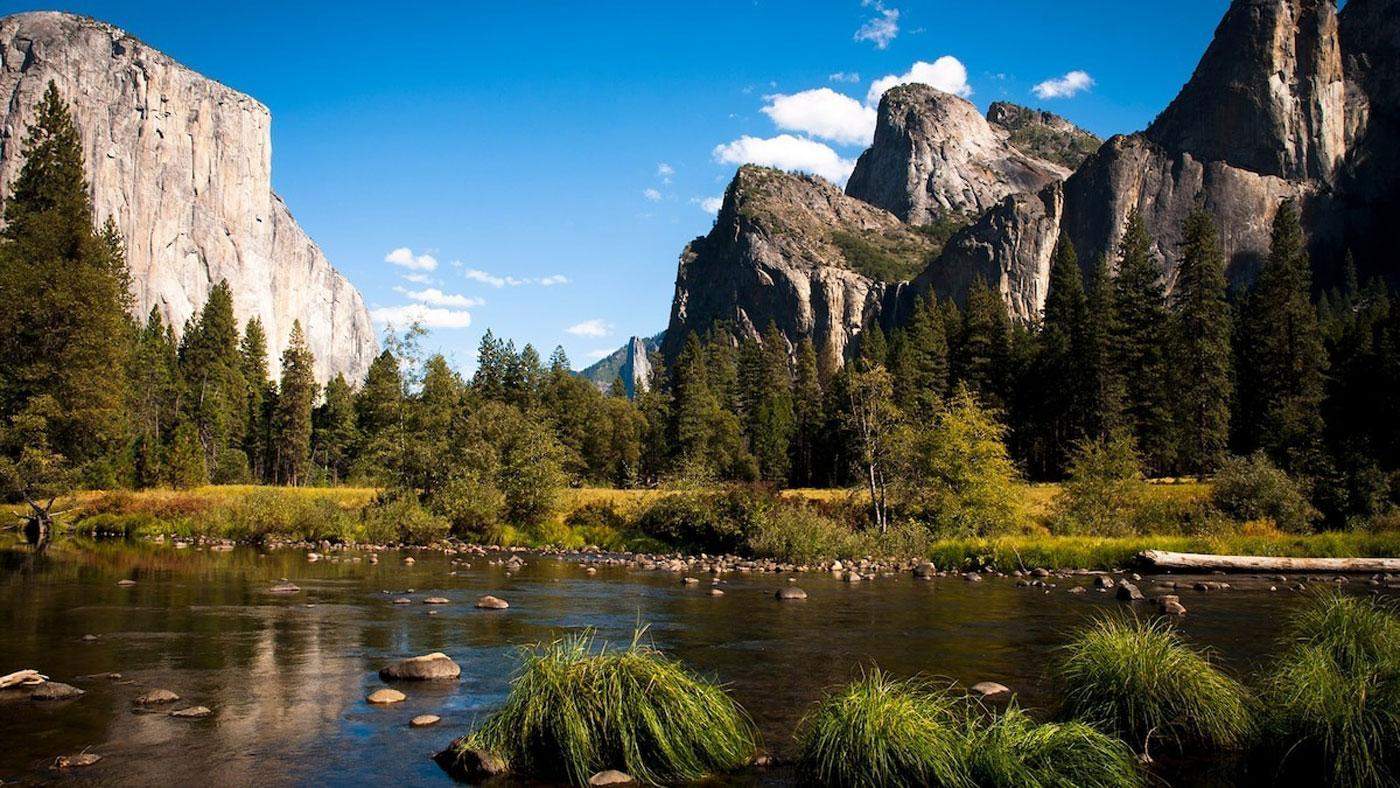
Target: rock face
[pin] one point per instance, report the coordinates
(934, 155)
(1009, 248)
(793, 250)
(1044, 135)
(183, 165)
(1268, 95)
(631, 362)
(1262, 120)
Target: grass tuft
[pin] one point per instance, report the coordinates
(878, 732)
(1334, 695)
(575, 709)
(1013, 751)
(1139, 680)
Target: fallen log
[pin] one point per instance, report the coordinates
(1162, 559)
(22, 678)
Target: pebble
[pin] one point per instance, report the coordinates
(192, 712)
(990, 689)
(424, 720)
(436, 600)
(489, 602)
(126, 583)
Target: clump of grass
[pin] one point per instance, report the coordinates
(881, 732)
(1334, 695)
(1013, 751)
(575, 709)
(1138, 680)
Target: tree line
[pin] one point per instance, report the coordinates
(1184, 380)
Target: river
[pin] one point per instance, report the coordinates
(286, 675)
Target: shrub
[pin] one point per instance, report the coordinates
(1181, 517)
(798, 534)
(1104, 489)
(718, 522)
(396, 516)
(574, 710)
(1253, 488)
(1138, 680)
(1334, 695)
(881, 732)
(472, 506)
(1012, 751)
(960, 478)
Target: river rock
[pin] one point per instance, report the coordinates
(472, 766)
(192, 712)
(436, 600)
(284, 588)
(925, 571)
(403, 601)
(126, 583)
(76, 761)
(791, 592)
(55, 690)
(381, 696)
(611, 777)
(716, 592)
(489, 602)
(990, 689)
(972, 577)
(1103, 581)
(1127, 592)
(428, 667)
(424, 720)
(156, 697)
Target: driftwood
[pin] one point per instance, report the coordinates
(22, 677)
(1163, 559)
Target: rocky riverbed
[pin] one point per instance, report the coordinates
(163, 658)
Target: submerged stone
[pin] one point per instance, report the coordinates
(156, 697)
(791, 592)
(76, 761)
(54, 690)
(489, 602)
(383, 696)
(193, 712)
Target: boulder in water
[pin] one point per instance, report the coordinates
(428, 667)
(383, 696)
(489, 602)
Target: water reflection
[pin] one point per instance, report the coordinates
(286, 675)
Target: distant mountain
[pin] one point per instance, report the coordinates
(1292, 100)
(631, 362)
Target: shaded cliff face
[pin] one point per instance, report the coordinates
(1262, 120)
(934, 155)
(183, 165)
(780, 251)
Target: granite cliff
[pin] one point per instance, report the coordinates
(183, 165)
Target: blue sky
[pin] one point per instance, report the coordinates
(533, 143)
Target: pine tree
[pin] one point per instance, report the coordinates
(770, 409)
(1102, 386)
(807, 413)
(212, 368)
(155, 398)
(1140, 306)
(1061, 381)
(1201, 348)
(1283, 363)
(296, 395)
(874, 350)
(982, 361)
(492, 361)
(333, 432)
(64, 332)
(919, 360)
(695, 403)
(257, 438)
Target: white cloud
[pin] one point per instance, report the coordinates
(403, 256)
(597, 354)
(427, 316)
(823, 113)
(417, 279)
(652, 194)
(710, 205)
(487, 278)
(590, 328)
(947, 73)
(881, 29)
(788, 153)
(844, 76)
(477, 275)
(664, 171)
(436, 297)
(1064, 87)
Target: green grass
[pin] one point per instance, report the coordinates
(879, 732)
(1013, 751)
(1334, 695)
(1140, 681)
(575, 709)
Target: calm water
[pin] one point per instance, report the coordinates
(286, 676)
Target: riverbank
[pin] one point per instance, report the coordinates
(612, 520)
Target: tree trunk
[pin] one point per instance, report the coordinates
(1251, 563)
(37, 527)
